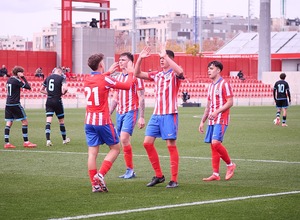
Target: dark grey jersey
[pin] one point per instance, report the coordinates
(281, 90)
(53, 84)
(13, 87)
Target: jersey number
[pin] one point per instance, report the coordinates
(281, 88)
(8, 87)
(89, 92)
(51, 85)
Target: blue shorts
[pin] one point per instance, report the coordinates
(164, 126)
(101, 134)
(215, 132)
(127, 121)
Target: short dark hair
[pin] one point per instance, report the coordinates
(94, 60)
(128, 55)
(282, 76)
(216, 64)
(17, 69)
(170, 53)
(57, 70)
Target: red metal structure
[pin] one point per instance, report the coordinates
(66, 16)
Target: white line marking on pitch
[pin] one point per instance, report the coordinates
(175, 206)
(136, 155)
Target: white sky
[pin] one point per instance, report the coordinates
(25, 17)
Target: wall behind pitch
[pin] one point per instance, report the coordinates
(29, 60)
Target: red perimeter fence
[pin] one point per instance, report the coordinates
(195, 67)
(29, 60)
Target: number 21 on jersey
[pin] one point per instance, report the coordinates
(92, 96)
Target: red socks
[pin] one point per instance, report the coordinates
(174, 162)
(128, 156)
(92, 173)
(215, 159)
(153, 158)
(219, 151)
(105, 167)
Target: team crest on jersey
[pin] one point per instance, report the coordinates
(168, 76)
(217, 92)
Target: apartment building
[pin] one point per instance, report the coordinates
(12, 43)
(174, 26)
(179, 27)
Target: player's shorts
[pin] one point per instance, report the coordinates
(54, 105)
(215, 132)
(14, 112)
(127, 121)
(101, 134)
(164, 126)
(282, 103)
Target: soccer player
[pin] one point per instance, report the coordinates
(54, 87)
(281, 93)
(219, 102)
(129, 103)
(13, 108)
(164, 120)
(99, 128)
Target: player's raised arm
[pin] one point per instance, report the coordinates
(137, 70)
(26, 84)
(176, 68)
(113, 68)
(126, 85)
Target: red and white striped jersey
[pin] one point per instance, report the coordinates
(218, 94)
(166, 91)
(96, 89)
(128, 100)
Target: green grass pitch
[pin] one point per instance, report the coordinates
(52, 182)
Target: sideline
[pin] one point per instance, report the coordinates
(175, 206)
(141, 155)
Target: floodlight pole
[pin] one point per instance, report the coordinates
(264, 51)
(133, 39)
(249, 15)
(201, 28)
(196, 31)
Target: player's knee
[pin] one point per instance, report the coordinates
(24, 122)
(215, 144)
(148, 145)
(124, 142)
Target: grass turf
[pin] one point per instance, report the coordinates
(45, 182)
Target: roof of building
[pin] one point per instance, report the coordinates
(247, 43)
